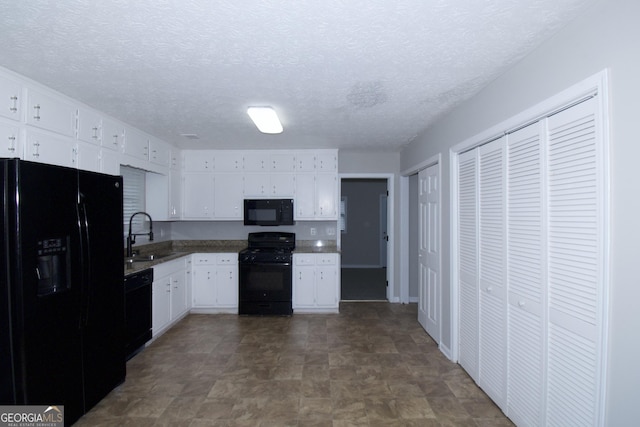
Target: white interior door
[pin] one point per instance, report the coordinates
(429, 250)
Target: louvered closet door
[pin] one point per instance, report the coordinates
(575, 266)
(468, 261)
(491, 255)
(525, 276)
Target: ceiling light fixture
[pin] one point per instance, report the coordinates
(265, 119)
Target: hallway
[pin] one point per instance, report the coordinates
(370, 365)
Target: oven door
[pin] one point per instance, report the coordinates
(265, 288)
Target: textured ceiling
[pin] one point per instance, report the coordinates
(341, 73)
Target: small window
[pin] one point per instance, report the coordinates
(133, 182)
(343, 215)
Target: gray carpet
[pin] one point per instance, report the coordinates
(364, 284)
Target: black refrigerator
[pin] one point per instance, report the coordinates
(61, 286)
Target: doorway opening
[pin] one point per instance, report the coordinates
(364, 239)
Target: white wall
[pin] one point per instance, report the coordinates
(606, 36)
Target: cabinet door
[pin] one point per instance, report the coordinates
(327, 286)
(159, 152)
(110, 161)
(304, 286)
(228, 200)
(326, 161)
(136, 144)
(198, 196)
(256, 185)
(88, 157)
(282, 161)
(10, 143)
(47, 148)
(178, 294)
(282, 185)
(89, 126)
(51, 112)
(327, 194)
(10, 99)
(305, 161)
(198, 161)
(204, 289)
(161, 304)
(255, 161)
(228, 161)
(175, 194)
(112, 135)
(305, 196)
(227, 286)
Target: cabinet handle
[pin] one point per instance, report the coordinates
(489, 288)
(36, 145)
(12, 143)
(95, 132)
(14, 108)
(37, 113)
(521, 303)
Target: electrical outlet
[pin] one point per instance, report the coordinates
(331, 231)
(313, 231)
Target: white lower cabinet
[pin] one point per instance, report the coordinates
(170, 290)
(215, 283)
(316, 282)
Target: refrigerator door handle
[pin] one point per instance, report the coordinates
(85, 260)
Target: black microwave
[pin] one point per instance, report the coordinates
(268, 212)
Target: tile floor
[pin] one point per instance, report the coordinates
(370, 365)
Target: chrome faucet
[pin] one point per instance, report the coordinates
(131, 238)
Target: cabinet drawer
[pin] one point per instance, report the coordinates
(227, 259)
(327, 259)
(204, 259)
(304, 259)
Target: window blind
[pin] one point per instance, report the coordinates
(133, 181)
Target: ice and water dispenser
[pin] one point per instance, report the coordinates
(53, 269)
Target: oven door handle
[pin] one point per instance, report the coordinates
(265, 264)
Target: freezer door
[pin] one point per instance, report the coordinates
(42, 284)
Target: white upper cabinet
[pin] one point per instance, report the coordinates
(282, 161)
(88, 157)
(256, 161)
(159, 152)
(10, 141)
(198, 161)
(305, 161)
(326, 161)
(112, 134)
(49, 148)
(228, 200)
(50, 112)
(89, 126)
(327, 196)
(10, 98)
(136, 144)
(228, 161)
(269, 185)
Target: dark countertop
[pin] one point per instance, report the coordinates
(174, 249)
